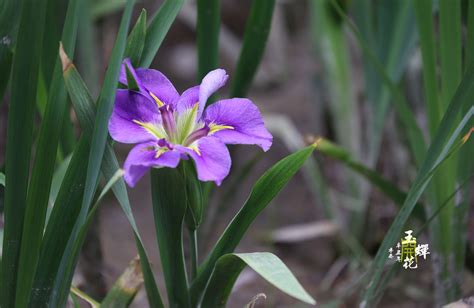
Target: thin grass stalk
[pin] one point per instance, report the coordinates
(208, 26)
(465, 170)
(43, 169)
(24, 81)
(444, 182)
(159, 26)
(256, 34)
(424, 20)
(329, 33)
(104, 108)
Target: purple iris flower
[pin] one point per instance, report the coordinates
(168, 127)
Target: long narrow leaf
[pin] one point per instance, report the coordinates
(84, 106)
(266, 264)
(257, 30)
(445, 136)
(169, 208)
(413, 131)
(104, 110)
(136, 40)
(208, 25)
(264, 190)
(424, 19)
(24, 82)
(159, 26)
(390, 190)
(9, 18)
(60, 224)
(40, 184)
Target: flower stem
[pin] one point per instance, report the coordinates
(194, 252)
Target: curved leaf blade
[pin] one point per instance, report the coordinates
(256, 34)
(264, 190)
(24, 81)
(158, 28)
(266, 264)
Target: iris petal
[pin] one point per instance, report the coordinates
(244, 118)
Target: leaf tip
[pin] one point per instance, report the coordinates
(65, 61)
(313, 141)
(467, 136)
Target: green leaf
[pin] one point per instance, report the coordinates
(256, 33)
(390, 190)
(24, 81)
(84, 106)
(125, 288)
(9, 19)
(158, 28)
(43, 168)
(69, 260)
(169, 208)
(266, 264)
(264, 190)
(58, 178)
(106, 7)
(446, 135)
(60, 224)
(75, 292)
(424, 20)
(2, 179)
(208, 26)
(136, 40)
(388, 29)
(413, 131)
(104, 110)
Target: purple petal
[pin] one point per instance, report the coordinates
(213, 81)
(142, 157)
(244, 118)
(213, 161)
(188, 99)
(130, 106)
(150, 80)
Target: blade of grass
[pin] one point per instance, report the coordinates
(424, 20)
(208, 26)
(136, 39)
(78, 293)
(444, 182)
(70, 258)
(84, 106)
(43, 169)
(437, 153)
(60, 224)
(264, 190)
(390, 190)
(267, 265)
(169, 208)
(256, 33)
(414, 134)
(9, 19)
(126, 287)
(464, 170)
(329, 35)
(159, 26)
(24, 81)
(104, 110)
(388, 28)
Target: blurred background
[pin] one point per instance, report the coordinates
(313, 81)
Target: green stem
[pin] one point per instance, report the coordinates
(194, 252)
